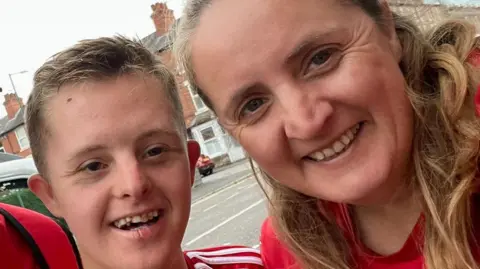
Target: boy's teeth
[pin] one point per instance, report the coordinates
(127, 221)
(336, 147)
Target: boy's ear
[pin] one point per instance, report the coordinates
(193, 149)
(43, 190)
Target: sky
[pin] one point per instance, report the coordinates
(32, 30)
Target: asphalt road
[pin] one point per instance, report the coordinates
(231, 216)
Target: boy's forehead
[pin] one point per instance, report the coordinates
(129, 101)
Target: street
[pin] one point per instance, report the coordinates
(232, 215)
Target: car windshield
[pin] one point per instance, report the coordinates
(5, 157)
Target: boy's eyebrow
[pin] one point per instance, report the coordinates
(158, 131)
(146, 135)
(86, 150)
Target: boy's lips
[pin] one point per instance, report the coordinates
(137, 218)
(142, 226)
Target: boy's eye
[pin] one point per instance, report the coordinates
(154, 151)
(94, 166)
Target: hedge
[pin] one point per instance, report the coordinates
(30, 201)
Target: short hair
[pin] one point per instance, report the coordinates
(92, 60)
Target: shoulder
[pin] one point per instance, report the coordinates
(275, 254)
(231, 257)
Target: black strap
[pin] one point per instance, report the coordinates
(74, 245)
(37, 254)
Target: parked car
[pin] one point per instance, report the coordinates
(15, 173)
(205, 165)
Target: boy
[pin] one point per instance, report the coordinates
(108, 138)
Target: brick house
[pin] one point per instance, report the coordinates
(13, 136)
(201, 122)
(427, 15)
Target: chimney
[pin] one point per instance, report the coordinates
(12, 104)
(162, 17)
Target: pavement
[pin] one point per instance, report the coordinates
(222, 177)
(230, 216)
(228, 208)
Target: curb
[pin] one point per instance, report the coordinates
(223, 187)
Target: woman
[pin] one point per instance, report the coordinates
(363, 126)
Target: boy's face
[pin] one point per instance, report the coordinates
(119, 172)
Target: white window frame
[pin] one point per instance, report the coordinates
(197, 133)
(23, 146)
(194, 95)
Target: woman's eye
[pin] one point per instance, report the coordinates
(252, 106)
(319, 59)
(94, 166)
(154, 151)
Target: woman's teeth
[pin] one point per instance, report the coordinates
(337, 147)
(137, 219)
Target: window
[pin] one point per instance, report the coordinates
(197, 101)
(207, 133)
(2, 149)
(212, 142)
(22, 138)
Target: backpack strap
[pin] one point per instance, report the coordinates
(37, 253)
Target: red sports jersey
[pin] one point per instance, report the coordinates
(231, 257)
(275, 254)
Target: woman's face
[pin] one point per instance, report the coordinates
(312, 90)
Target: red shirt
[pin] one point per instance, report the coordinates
(231, 257)
(276, 255)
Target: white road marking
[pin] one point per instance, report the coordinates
(231, 196)
(224, 222)
(217, 193)
(210, 208)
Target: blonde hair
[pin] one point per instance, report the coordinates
(441, 86)
(91, 60)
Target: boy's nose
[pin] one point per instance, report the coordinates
(133, 181)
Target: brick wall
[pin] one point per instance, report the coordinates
(163, 19)
(188, 107)
(10, 145)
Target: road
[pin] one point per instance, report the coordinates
(231, 216)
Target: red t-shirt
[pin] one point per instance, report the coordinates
(231, 257)
(276, 255)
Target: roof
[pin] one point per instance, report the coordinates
(155, 43)
(18, 120)
(3, 122)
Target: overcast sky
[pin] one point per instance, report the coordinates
(33, 30)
